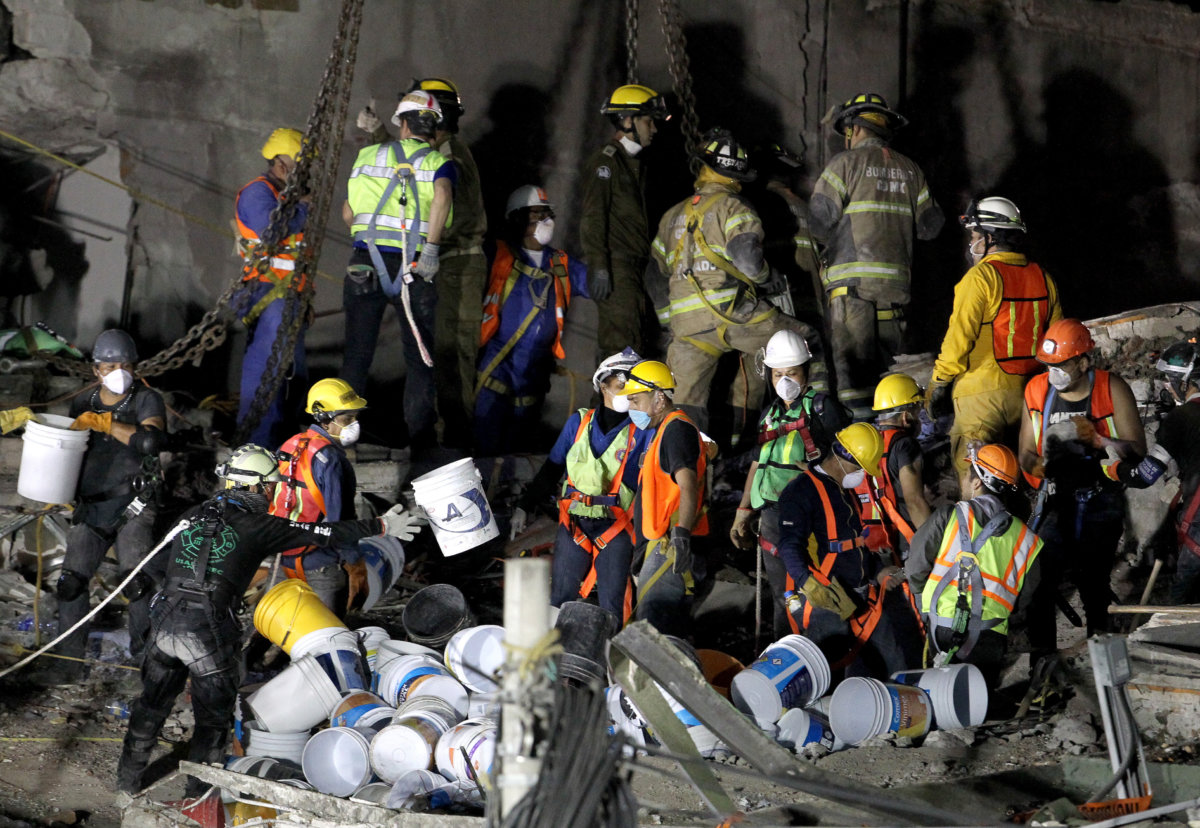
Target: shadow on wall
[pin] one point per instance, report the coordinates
(1096, 201)
(511, 153)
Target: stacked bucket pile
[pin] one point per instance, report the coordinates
(404, 724)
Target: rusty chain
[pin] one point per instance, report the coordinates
(632, 13)
(681, 74)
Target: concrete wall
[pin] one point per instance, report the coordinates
(1084, 112)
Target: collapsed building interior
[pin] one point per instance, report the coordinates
(130, 125)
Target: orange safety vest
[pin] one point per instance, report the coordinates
(283, 263)
(877, 503)
(658, 493)
(1039, 395)
(1022, 318)
(297, 496)
(501, 284)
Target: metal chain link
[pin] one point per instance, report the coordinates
(632, 12)
(681, 75)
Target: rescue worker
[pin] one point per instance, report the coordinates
(614, 229)
(317, 486)
(669, 507)
(529, 291)
(400, 202)
(831, 576)
(1075, 412)
(599, 450)
(974, 564)
(893, 505)
(1176, 443)
(116, 504)
(1002, 307)
(462, 268)
(706, 272)
(208, 565)
(868, 204)
(796, 428)
(261, 304)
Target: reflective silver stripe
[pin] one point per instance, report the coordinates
(692, 303)
(391, 222)
(879, 207)
(834, 181)
(870, 270)
(385, 173)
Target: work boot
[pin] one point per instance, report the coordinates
(140, 739)
(130, 770)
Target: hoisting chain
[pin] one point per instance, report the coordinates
(632, 13)
(681, 74)
(316, 172)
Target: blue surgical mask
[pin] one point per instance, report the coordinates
(640, 418)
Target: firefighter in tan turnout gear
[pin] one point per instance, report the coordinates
(706, 275)
(865, 209)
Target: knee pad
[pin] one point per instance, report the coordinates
(139, 587)
(71, 585)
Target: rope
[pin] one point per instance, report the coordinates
(412, 324)
(546, 647)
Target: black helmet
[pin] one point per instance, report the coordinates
(114, 346)
(722, 153)
(868, 110)
(447, 96)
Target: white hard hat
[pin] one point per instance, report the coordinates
(249, 465)
(992, 213)
(418, 101)
(786, 349)
(531, 195)
(615, 364)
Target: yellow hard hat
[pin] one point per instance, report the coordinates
(634, 99)
(648, 375)
(332, 396)
(896, 391)
(283, 141)
(862, 443)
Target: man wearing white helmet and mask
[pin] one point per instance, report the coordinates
(399, 204)
(599, 451)
(529, 289)
(1002, 307)
(795, 429)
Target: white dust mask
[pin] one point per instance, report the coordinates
(349, 434)
(544, 231)
(1059, 378)
(620, 404)
(117, 381)
(788, 389)
(854, 479)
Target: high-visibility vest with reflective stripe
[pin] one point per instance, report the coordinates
(876, 518)
(283, 263)
(1022, 318)
(1004, 560)
(506, 269)
(373, 169)
(1039, 396)
(601, 477)
(297, 496)
(658, 492)
(785, 455)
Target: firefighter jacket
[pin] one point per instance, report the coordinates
(699, 246)
(1005, 551)
(613, 224)
(318, 486)
(252, 210)
(820, 533)
(381, 195)
(1002, 307)
(656, 507)
(523, 315)
(789, 438)
(466, 232)
(865, 209)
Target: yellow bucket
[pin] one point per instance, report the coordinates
(291, 610)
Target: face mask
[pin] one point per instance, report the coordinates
(640, 418)
(788, 389)
(117, 381)
(544, 231)
(1059, 378)
(349, 434)
(972, 256)
(854, 479)
(620, 404)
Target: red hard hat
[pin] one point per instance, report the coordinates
(1065, 339)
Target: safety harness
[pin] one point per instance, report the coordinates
(297, 474)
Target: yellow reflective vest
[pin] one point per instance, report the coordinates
(378, 169)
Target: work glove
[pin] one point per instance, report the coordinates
(742, 532)
(14, 418)
(401, 523)
(681, 542)
(1085, 432)
(832, 598)
(93, 420)
(367, 120)
(600, 284)
(356, 575)
(890, 577)
(938, 402)
(520, 519)
(427, 265)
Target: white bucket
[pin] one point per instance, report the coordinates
(399, 674)
(864, 707)
(337, 761)
(624, 715)
(453, 498)
(371, 638)
(408, 744)
(393, 648)
(959, 693)
(263, 767)
(475, 655)
(373, 793)
(347, 669)
(384, 558)
(324, 640)
(707, 744)
(412, 787)
(478, 738)
(445, 688)
(353, 706)
(798, 728)
(51, 457)
(287, 745)
(297, 699)
(792, 672)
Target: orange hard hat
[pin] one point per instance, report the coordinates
(1065, 339)
(996, 466)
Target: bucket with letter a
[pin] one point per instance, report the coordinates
(458, 511)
